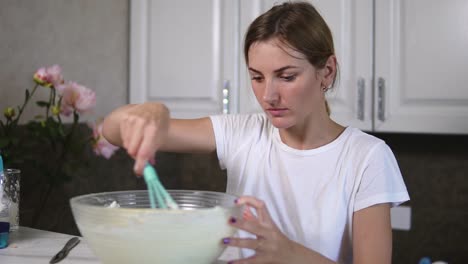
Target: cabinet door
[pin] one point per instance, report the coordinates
(421, 66)
(184, 54)
(351, 26)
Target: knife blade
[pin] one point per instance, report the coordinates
(65, 250)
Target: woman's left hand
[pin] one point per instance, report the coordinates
(271, 245)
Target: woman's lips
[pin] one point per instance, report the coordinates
(277, 112)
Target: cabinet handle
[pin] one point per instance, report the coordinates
(361, 84)
(381, 99)
(226, 87)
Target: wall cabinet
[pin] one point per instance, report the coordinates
(184, 53)
(403, 63)
(421, 66)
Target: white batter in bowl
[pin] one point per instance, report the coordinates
(132, 232)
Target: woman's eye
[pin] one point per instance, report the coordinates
(256, 78)
(288, 78)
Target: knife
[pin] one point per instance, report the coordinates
(64, 251)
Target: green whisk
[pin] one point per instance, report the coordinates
(156, 191)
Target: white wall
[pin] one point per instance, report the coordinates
(88, 38)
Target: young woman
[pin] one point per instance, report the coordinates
(316, 192)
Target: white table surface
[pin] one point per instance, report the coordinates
(31, 246)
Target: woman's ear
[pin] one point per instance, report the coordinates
(329, 71)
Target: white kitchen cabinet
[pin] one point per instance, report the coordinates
(403, 63)
(421, 66)
(184, 53)
(351, 24)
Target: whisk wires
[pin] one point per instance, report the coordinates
(158, 195)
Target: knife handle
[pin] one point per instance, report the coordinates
(64, 251)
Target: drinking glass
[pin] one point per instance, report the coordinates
(11, 189)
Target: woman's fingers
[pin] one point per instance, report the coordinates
(251, 243)
(139, 166)
(136, 138)
(124, 133)
(247, 214)
(146, 150)
(271, 245)
(130, 131)
(143, 128)
(253, 227)
(139, 137)
(260, 207)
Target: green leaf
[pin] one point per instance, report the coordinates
(38, 117)
(43, 104)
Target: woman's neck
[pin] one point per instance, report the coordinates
(312, 134)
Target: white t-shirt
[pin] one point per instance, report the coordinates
(310, 194)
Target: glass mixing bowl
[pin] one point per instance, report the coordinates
(135, 233)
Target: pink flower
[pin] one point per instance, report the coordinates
(40, 76)
(49, 77)
(55, 75)
(76, 97)
(101, 146)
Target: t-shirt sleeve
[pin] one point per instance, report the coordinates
(234, 131)
(219, 128)
(229, 130)
(381, 180)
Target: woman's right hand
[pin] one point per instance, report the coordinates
(146, 128)
(143, 128)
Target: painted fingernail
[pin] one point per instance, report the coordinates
(135, 169)
(233, 220)
(226, 240)
(236, 201)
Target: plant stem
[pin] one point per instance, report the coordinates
(7, 127)
(26, 100)
(51, 97)
(76, 118)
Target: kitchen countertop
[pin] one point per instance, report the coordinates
(31, 246)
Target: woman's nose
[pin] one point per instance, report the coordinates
(270, 94)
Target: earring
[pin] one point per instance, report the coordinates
(324, 88)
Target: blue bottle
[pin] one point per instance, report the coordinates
(425, 260)
(4, 234)
(4, 212)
